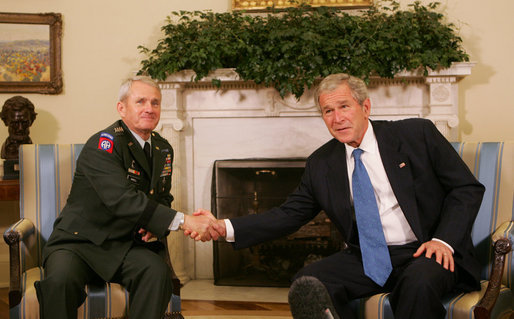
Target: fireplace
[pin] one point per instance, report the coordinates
(242, 187)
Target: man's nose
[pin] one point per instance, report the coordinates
(339, 116)
(148, 107)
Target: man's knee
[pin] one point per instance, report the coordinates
(154, 272)
(421, 284)
(64, 270)
(427, 274)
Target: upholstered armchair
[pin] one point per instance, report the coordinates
(46, 174)
(493, 236)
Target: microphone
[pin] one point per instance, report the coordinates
(309, 299)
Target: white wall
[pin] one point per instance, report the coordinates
(487, 96)
(99, 49)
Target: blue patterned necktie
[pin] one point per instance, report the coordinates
(375, 255)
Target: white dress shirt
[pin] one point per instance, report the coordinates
(397, 230)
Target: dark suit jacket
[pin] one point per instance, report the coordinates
(113, 194)
(435, 189)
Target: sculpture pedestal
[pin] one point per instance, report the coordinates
(11, 169)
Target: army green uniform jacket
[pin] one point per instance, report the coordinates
(113, 194)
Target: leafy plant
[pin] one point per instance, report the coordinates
(290, 49)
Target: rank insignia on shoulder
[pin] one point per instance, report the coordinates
(106, 142)
(118, 129)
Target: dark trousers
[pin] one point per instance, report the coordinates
(143, 273)
(416, 284)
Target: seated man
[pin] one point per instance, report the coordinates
(120, 198)
(402, 199)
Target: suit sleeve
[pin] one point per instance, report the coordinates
(463, 193)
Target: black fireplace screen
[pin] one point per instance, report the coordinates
(242, 187)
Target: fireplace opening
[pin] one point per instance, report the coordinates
(242, 187)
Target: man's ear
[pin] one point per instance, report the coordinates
(120, 106)
(366, 106)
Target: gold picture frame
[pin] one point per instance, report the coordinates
(262, 5)
(30, 53)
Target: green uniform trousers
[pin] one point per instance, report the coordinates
(143, 273)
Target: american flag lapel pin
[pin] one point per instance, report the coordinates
(402, 165)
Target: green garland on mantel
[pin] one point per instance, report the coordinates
(290, 49)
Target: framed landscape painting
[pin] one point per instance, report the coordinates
(30, 53)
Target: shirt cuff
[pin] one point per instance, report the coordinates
(229, 230)
(443, 242)
(177, 221)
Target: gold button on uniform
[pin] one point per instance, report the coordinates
(75, 233)
(151, 192)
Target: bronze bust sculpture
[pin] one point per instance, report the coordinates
(18, 114)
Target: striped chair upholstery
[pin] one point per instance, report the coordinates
(493, 165)
(46, 174)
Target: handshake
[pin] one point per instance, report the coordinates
(202, 225)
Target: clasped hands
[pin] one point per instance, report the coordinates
(202, 225)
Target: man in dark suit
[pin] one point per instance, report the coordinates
(119, 200)
(425, 199)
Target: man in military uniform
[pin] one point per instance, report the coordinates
(120, 199)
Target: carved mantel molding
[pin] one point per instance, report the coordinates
(408, 94)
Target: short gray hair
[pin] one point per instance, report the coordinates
(357, 86)
(127, 84)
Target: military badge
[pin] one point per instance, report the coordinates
(166, 171)
(106, 142)
(133, 171)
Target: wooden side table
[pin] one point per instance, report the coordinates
(9, 190)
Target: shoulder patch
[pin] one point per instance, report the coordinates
(106, 142)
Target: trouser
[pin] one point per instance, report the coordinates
(143, 273)
(416, 284)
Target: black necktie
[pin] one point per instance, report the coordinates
(147, 150)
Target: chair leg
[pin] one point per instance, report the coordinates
(485, 305)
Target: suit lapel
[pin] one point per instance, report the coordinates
(398, 170)
(136, 150)
(338, 188)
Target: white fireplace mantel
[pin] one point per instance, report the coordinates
(244, 120)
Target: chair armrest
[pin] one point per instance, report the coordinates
(502, 246)
(13, 236)
(19, 231)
